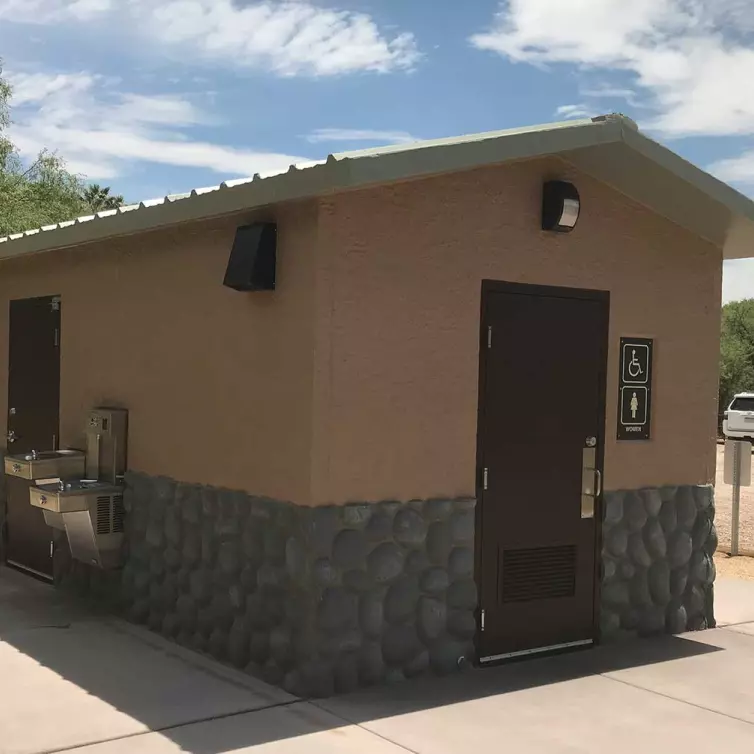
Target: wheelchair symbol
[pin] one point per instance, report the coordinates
(634, 366)
(635, 363)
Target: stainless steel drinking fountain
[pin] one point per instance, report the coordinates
(90, 508)
(46, 464)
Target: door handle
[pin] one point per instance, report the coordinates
(591, 479)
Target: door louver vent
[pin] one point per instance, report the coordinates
(539, 573)
(119, 514)
(103, 514)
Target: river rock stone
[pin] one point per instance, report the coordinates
(379, 527)
(462, 595)
(337, 610)
(652, 502)
(434, 580)
(371, 613)
(654, 540)
(462, 625)
(349, 549)
(385, 562)
(680, 549)
(659, 583)
(462, 527)
(409, 528)
(461, 563)
(439, 542)
(634, 512)
(638, 552)
(401, 599)
(616, 541)
(400, 645)
(431, 618)
(437, 509)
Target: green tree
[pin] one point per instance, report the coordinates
(99, 198)
(31, 195)
(736, 350)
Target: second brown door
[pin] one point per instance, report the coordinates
(542, 402)
(33, 415)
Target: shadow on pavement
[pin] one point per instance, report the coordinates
(510, 677)
(94, 656)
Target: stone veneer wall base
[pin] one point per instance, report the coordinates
(325, 600)
(657, 566)
(318, 600)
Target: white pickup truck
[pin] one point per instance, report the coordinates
(738, 420)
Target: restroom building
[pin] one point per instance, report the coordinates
(397, 412)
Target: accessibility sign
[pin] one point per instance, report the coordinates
(635, 389)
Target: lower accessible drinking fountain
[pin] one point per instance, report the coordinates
(90, 509)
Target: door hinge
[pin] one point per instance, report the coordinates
(482, 620)
(55, 303)
(57, 337)
(489, 336)
(485, 479)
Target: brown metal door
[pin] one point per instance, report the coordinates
(33, 414)
(542, 402)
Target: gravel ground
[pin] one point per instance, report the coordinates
(723, 494)
(734, 568)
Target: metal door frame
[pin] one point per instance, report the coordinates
(526, 289)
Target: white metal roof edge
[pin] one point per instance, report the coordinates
(349, 170)
(717, 190)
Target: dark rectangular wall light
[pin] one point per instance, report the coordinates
(251, 266)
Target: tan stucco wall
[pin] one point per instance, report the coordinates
(217, 383)
(357, 378)
(396, 381)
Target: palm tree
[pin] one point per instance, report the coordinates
(99, 198)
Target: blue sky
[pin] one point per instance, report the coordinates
(160, 96)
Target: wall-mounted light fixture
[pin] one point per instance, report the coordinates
(560, 206)
(252, 262)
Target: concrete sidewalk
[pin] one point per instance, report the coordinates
(71, 681)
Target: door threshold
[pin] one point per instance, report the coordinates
(28, 569)
(536, 650)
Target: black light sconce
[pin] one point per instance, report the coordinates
(560, 206)
(252, 262)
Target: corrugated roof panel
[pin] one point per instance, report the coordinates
(348, 170)
(205, 190)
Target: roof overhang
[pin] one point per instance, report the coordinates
(610, 148)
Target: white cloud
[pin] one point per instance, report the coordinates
(574, 111)
(738, 279)
(692, 59)
(735, 169)
(288, 37)
(85, 9)
(50, 11)
(351, 134)
(607, 92)
(101, 133)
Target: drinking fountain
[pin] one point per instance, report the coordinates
(90, 507)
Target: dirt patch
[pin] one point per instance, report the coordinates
(735, 568)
